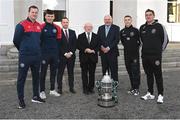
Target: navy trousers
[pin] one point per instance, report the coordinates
(26, 62)
(52, 60)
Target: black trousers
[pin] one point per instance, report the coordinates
(152, 68)
(133, 69)
(63, 62)
(52, 60)
(26, 62)
(110, 65)
(88, 75)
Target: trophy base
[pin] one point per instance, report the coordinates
(106, 103)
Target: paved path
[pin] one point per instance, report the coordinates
(83, 106)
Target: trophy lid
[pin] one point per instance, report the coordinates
(106, 78)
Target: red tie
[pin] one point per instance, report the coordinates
(66, 35)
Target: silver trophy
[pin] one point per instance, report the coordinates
(107, 91)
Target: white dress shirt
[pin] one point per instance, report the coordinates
(90, 35)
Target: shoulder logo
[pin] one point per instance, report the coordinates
(131, 34)
(143, 32)
(54, 30)
(123, 34)
(157, 62)
(128, 38)
(144, 27)
(153, 31)
(38, 27)
(45, 30)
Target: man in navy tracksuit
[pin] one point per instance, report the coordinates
(154, 40)
(131, 42)
(27, 41)
(51, 35)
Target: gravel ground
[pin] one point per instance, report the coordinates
(80, 106)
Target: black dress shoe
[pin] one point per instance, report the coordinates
(60, 92)
(22, 104)
(91, 91)
(86, 92)
(72, 91)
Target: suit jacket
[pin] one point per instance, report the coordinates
(68, 45)
(82, 44)
(111, 40)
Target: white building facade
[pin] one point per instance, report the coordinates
(78, 12)
(81, 11)
(166, 11)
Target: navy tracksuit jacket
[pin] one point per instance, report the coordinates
(50, 37)
(27, 41)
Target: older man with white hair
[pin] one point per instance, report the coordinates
(88, 45)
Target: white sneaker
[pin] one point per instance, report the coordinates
(43, 95)
(160, 99)
(54, 93)
(148, 96)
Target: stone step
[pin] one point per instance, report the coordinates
(7, 68)
(77, 70)
(4, 49)
(168, 53)
(11, 68)
(13, 53)
(6, 61)
(12, 77)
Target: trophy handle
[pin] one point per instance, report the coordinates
(98, 85)
(115, 84)
(114, 91)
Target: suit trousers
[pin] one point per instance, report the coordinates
(88, 75)
(152, 68)
(63, 62)
(110, 65)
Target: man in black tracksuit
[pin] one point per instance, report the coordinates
(154, 39)
(131, 42)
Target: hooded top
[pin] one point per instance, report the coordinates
(154, 39)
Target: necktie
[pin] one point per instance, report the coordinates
(107, 29)
(66, 35)
(89, 40)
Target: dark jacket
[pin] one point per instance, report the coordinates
(82, 44)
(27, 37)
(130, 40)
(68, 45)
(111, 40)
(50, 36)
(154, 39)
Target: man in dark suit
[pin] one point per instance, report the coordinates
(88, 46)
(109, 35)
(67, 55)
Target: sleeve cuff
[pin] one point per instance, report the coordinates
(71, 53)
(65, 54)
